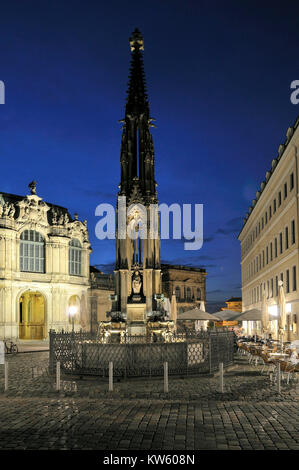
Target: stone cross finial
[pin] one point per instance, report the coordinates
(32, 187)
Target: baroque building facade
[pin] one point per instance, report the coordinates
(44, 268)
(187, 283)
(269, 239)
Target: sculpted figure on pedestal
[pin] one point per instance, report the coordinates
(32, 187)
(136, 282)
(6, 209)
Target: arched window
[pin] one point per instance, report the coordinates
(75, 257)
(198, 293)
(177, 292)
(188, 293)
(32, 252)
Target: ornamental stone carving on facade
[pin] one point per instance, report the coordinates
(33, 209)
(7, 210)
(77, 229)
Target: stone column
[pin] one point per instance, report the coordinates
(123, 289)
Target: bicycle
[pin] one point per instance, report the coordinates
(10, 347)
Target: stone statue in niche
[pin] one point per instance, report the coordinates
(6, 209)
(1, 210)
(61, 219)
(12, 211)
(136, 283)
(66, 219)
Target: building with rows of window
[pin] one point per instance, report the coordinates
(269, 238)
(44, 268)
(188, 283)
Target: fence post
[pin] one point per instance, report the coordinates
(58, 376)
(165, 377)
(110, 376)
(5, 376)
(278, 378)
(221, 376)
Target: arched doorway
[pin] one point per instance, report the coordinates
(32, 316)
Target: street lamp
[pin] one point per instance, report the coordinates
(72, 312)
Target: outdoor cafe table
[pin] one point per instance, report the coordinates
(278, 354)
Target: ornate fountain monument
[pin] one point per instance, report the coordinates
(137, 306)
(138, 325)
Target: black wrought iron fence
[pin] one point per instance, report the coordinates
(84, 354)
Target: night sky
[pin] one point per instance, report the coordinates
(218, 77)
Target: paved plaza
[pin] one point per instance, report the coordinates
(138, 415)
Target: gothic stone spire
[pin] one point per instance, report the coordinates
(137, 150)
(137, 100)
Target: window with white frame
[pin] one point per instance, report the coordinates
(75, 257)
(32, 252)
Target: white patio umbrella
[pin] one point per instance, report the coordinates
(227, 315)
(201, 323)
(174, 309)
(265, 315)
(282, 311)
(167, 306)
(253, 314)
(197, 314)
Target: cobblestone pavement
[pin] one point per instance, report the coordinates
(138, 415)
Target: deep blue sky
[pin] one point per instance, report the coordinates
(218, 76)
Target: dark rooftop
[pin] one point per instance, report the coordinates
(182, 267)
